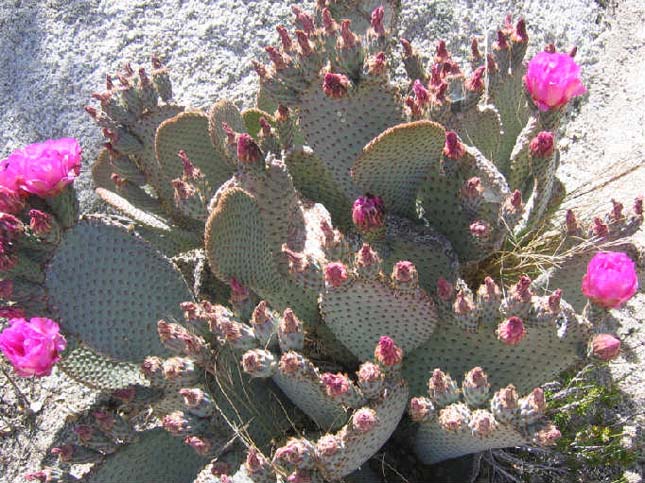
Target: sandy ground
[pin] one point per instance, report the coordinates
(54, 53)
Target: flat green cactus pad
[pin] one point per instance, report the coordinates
(155, 457)
(110, 288)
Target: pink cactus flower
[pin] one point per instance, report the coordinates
(42, 169)
(611, 279)
(552, 79)
(511, 331)
(32, 347)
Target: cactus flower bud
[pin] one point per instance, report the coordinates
(348, 38)
(258, 363)
(441, 388)
(376, 64)
(599, 228)
(474, 49)
(553, 302)
(445, 289)
(306, 48)
(248, 152)
(329, 24)
(482, 423)
(335, 274)
(297, 452)
(290, 362)
(387, 352)
(256, 463)
(616, 210)
(404, 275)
(475, 83)
(453, 417)
(10, 226)
(611, 279)
(176, 423)
(421, 93)
(336, 385)
(376, 21)
(605, 347)
(421, 409)
(40, 222)
(201, 445)
(328, 445)
(304, 20)
(366, 258)
(10, 201)
(571, 222)
(284, 38)
(335, 85)
(552, 80)
(638, 205)
(548, 435)
(280, 61)
(364, 420)
(182, 190)
(464, 303)
(520, 35)
(541, 146)
(500, 42)
(453, 148)
(511, 331)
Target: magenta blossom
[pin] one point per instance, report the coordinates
(552, 79)
(42, 169)
(32, 347)
(611, 279)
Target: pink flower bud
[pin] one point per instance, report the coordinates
(335, 384)
(369, 372)
(364, 420)
(290, 323)
(256, 462)
(10, 201)
(475, 83)
(201, 445)
(304, 20)
(520, 35)
(500, 43)
(239, 293)
(508, 398)
(335, 274)
(638, 205)
(453, 147)
(290, 363)
(335, 85)
(407, 47)
(552, 80)
(348, 38)
(40, 222)
(444, 289)
(420, 409)
(452, 419)
(541, 146)
(190, 172)
(616, 210)
(605, 347)
(306, 48)
(377, 20)
(554, 301)
(405, 272)
(10, 227)
(329, 24)
(328, 445)
(247, 149)
(366, 257)
(472, 188)
(548, 435)
(464, 303)
(42, 169)
(611, 279)
(32, 347)
(482, 423)
(421, 93)
(376, 64)
(280, 61)
(474, 49)
(479, 229)
(387, 352)
(511, 331)
(284, 38)
(599, 228)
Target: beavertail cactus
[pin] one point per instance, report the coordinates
(285, 277)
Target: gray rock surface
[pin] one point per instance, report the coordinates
(55, 53)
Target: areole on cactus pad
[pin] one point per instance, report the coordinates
(292, 292)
